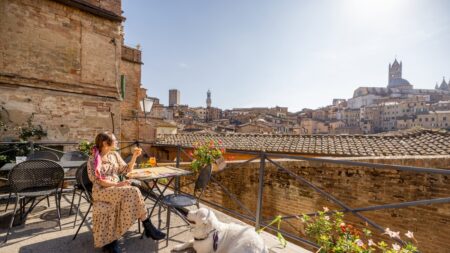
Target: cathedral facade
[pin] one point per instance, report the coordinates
(397, 88)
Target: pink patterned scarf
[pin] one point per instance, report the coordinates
(97, 163)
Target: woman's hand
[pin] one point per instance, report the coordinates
(137, 152)
(123, 183)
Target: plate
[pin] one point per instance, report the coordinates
(141, 173)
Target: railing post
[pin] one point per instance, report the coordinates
(177, 179)
(259, 203)
(31, 147)
(178, 156)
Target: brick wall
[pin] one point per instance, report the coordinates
(134, 125)
(59, 67)
(49, 45)
(114, 6)
(355, 186)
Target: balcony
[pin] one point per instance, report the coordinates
(409, 192)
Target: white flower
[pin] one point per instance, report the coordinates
(371, 243)
(396, 247)
(326, 217)
(392, 234)
(342, 224)
(325, 209)
(410, 234)
(359, 243)
(395, 234)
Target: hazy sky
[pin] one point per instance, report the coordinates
(285, 52)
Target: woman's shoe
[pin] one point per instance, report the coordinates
(115, 247)
(112, 247)
(151, 231)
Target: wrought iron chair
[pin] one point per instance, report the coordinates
(74, 156)
(43, 155)
(32, 179)
(37, 155)
(77, 188)
(5, 189)
(86, 189)
(177, 200)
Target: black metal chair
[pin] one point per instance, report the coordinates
(77, 188)
(32, 179)
(86, 189)
(4, 189)
(43, 155)
(179, 200)
(74, 156)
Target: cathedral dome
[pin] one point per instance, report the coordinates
(398, 82)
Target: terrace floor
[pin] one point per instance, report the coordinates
(41, 233)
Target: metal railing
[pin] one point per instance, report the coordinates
(256, 217)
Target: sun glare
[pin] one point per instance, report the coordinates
(373, 9)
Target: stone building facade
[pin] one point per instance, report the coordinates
(61, 64)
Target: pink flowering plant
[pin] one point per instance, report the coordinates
(205, 153)
(332, 235)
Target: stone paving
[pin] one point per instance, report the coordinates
(41, 233)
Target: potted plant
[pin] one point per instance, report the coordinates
(86, 147)
(330, 232)
(208, 153)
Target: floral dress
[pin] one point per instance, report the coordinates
(115, 209)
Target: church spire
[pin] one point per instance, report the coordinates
(444, 85)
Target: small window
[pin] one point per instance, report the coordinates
(122, 86)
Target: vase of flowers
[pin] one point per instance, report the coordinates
(208, 153)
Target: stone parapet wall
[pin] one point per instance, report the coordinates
(355, 186)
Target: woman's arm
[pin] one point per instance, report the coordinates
(108, 183)
(127, 168)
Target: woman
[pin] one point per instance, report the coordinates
(109, 224)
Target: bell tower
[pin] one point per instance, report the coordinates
(395, 70)
(208, 99)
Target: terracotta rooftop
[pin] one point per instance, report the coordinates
(401, 143)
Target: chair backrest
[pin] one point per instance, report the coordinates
(202, 180)
(74, 156)
(83, 180)
(48, 155)
(35, 175)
